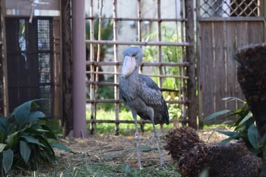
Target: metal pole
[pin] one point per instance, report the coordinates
(79, 69)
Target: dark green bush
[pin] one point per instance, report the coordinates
(25, 140)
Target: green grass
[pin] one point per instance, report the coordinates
(124, 129)
(101, 170)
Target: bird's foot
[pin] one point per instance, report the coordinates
(136, 135)
(140, 167)
(162, 165)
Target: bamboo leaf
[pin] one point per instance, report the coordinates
(25, 151)
(7, 160)
(216, 114)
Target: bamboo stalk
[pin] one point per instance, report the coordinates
(111, 63)
(116, 89)
(128, 121)
(143, 19)
(150, 43)
(121, 101)
(150, 75)
(92, 86)
(159, 37)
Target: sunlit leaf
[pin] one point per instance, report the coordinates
(249, 115)
(227, 133)
(228, 99)
(12, 140)
(2, 147)
(216, 114)
(227, 140)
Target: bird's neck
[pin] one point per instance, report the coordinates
(134, 73)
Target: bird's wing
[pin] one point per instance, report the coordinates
(150, 92)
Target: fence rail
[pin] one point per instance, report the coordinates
(99, 69)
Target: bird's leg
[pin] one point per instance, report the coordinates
(157, 139)
(134, 114)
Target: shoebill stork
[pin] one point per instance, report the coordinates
(142, 96)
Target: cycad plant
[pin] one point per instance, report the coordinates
(25, 139)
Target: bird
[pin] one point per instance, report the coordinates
(142, 96)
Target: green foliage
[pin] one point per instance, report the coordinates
(171, 54)
(245, 129)
(25, 141)
(244, 126)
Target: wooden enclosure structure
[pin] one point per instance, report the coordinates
(222, 27)
(159, 27)
(183, 24)
(30, 55)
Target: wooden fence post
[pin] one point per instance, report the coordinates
(191, 83)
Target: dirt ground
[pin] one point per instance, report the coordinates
(114, 150)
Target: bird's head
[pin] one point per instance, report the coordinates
(132, 60)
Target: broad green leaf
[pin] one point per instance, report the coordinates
(227, 140)
(32, 131)
(32, 140)
(33, 116)
(249, 115)
(2, 137)
(49, 134)
(3, 123)
(12, 140)
(21, 114)
(227, 133)
(233, 99)
(2, 147)
(142, 148)
(216, 114)
(47, 145)
(7, 160)
(61, 147)
(25, 151)
(254, 136)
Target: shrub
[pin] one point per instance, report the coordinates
(25, 140)
(245, 129)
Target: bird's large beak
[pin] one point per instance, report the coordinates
(129, 65)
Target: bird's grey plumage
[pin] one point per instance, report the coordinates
(141, 94)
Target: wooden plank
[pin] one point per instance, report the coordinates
(231, 81)
(205, 58)
(218, 66)
(24, 7)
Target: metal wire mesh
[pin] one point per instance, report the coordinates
(45, 62)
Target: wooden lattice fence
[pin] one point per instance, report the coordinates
(178, 17)
(223, 26)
